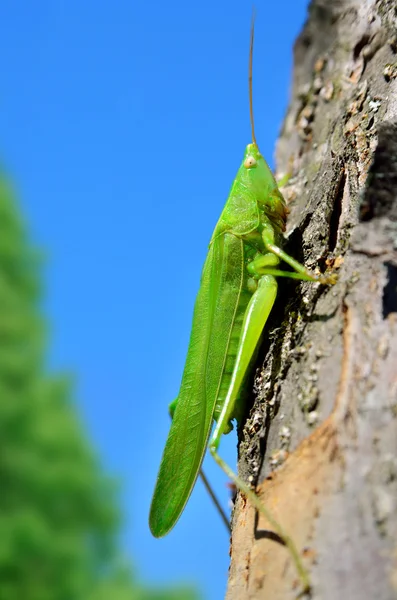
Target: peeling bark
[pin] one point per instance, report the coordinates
(321, 436)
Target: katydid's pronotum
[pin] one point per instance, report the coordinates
(237, 291)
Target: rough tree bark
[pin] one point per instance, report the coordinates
(323, 427)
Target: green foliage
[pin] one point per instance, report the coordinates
(58, 515)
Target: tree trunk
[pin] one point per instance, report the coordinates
(322, 433)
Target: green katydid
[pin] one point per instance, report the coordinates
(237, 291)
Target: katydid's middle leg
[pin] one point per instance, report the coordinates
(264, 264)
(300, 270)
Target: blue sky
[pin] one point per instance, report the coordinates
(122, 125)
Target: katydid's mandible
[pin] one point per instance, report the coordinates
(237, 291)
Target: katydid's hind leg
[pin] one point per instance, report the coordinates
(254, 321)
(255, 318)
(207, 485)
(256, 502)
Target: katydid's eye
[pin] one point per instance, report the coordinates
(250, 162)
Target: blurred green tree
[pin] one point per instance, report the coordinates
(58, 512)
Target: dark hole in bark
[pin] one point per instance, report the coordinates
(370, 123)
(390, 291)
(380, 197)
(393, 44)
(360, 45)
(336, 212)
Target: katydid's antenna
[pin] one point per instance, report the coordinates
(250, 77)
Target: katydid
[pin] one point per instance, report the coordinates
(237, 291)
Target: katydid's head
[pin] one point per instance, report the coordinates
(257, 177)
(252, 156)
(257, 169)
(257, 172)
